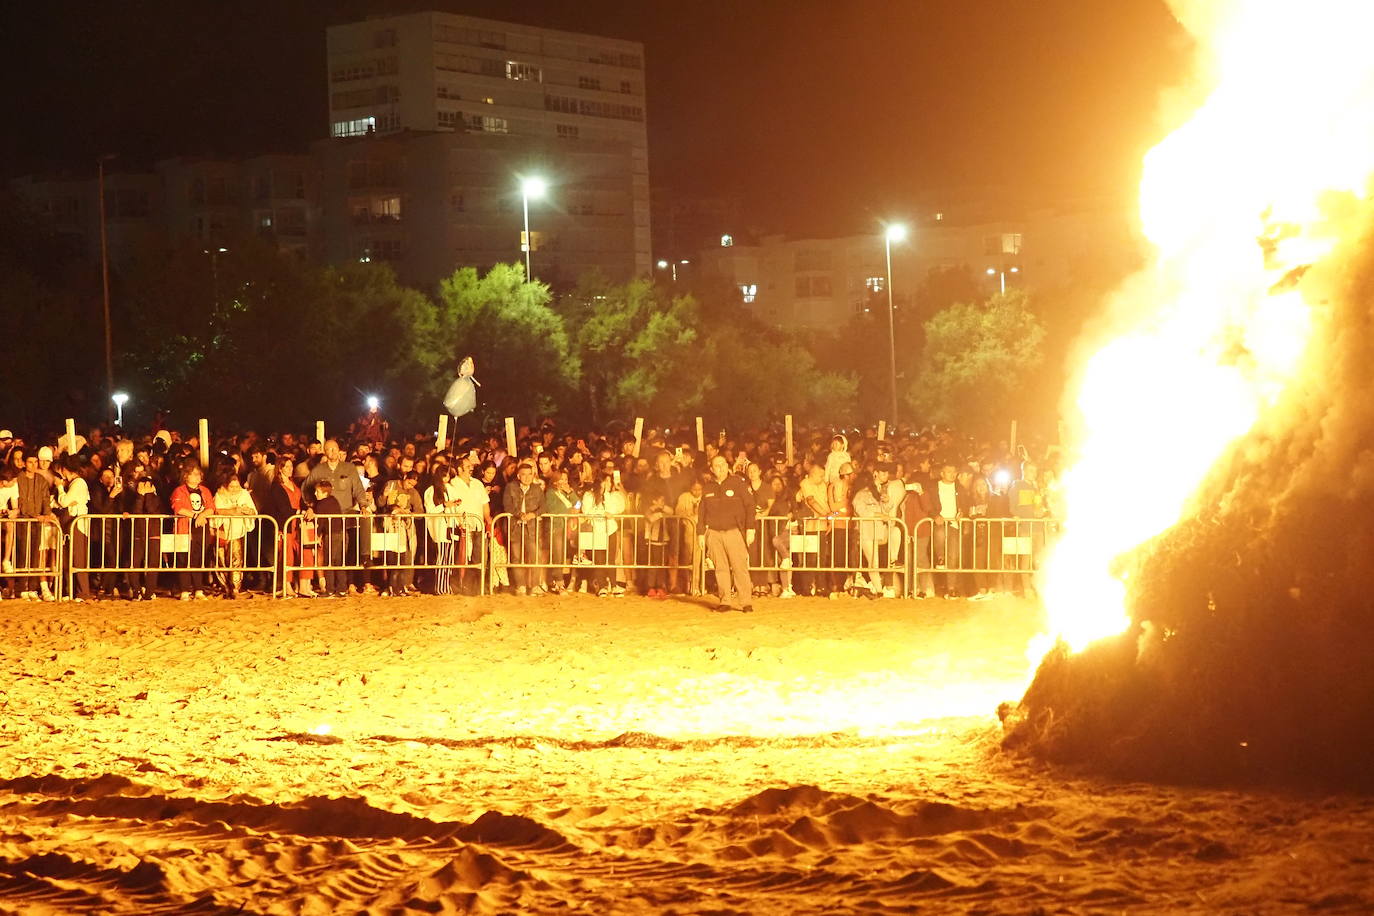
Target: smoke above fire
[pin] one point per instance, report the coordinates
(1254, 207)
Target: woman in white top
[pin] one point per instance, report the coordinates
(599, 535)
(231, 523)
(441, 500)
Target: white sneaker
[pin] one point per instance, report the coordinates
(46, 593)
(200, 596)
(889, 592)
(788, 593)
(602, 592)
(521, 590)
(28, 596)
(618, 591)
(184, 596)
(6, 566)
(580, 560)
(786, 563)
(539, 590)
(582, 586)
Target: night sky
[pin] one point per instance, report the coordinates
(821, 115)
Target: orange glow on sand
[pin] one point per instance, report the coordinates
(1237, 203)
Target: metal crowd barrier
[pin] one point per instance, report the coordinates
(822, 553)
(138, 550)
(985, 549)
(31, 552)
(387, 551)
(599, 549)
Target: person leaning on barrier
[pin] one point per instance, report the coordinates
(349, 491)
(726, 520)
(193, 504)
(73, 498)
(523, 501)
(233, 523)
(658, 495)
(145, 544)
(877, 507)
(34, 502)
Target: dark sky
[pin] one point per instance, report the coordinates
(822, 115)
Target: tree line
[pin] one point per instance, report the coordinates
(256, 337)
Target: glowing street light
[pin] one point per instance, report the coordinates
(896, 232)
(120, 399)
(373, 402)
(672, 266)
(531, 188)
(993, 272)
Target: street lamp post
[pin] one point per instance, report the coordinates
(671, 266)
(994, 272)
(120, 399)
(105, 277)
(895, 233)
(531, 187)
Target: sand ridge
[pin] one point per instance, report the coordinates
(512, 755)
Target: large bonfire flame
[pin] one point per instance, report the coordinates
(1239, 202)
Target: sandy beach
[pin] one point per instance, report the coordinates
(509, 755)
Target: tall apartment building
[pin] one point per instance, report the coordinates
(542, 96)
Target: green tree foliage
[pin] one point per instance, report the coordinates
(639, 348)
(646, 352)
(525, 361)
(978, 362)
(371, 335)
(755, 380)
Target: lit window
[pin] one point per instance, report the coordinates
(389, 208)
(1011, 243)
(495, 125)
(875, 284)
(748, 291)
(568, 131)
(726, 241)
(355, 128)
(518, 71)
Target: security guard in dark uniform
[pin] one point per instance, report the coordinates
(726, 521)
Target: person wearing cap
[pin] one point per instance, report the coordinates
(725, 518)
(45, 464)
(6, 443)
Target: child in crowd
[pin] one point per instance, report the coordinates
(330, 525)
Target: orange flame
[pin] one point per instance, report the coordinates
(1237, 203)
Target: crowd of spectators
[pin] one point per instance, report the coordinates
(836, 479)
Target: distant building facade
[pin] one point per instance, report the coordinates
(433, 120)
(823, 283)
(570, 97)
(431, 202)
